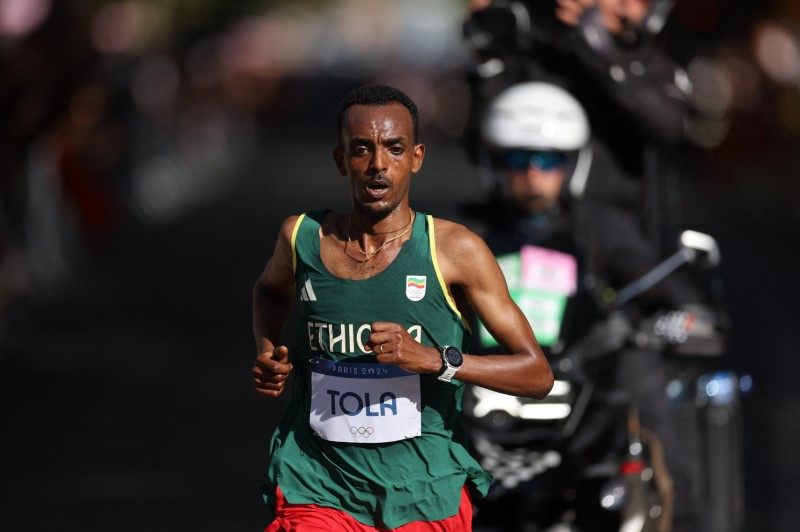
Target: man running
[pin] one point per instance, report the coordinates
(372, 437)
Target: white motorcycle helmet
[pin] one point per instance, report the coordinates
(537, 116)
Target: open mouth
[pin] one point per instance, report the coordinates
(377, 189)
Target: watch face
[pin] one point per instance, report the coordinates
(453, 356)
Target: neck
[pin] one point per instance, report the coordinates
(367, 225)
(369, 243)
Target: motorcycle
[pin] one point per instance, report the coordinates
(580, 460)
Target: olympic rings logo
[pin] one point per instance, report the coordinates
(362, 432)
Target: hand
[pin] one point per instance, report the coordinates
(271, 370)
(570, 11)
(478, 5)
(392, 344)
(611, 12)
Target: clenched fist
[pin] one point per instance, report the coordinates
(270, 371)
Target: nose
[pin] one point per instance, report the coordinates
(538, 180)
(536, 174)
(379, 158)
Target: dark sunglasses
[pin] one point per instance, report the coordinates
(544, 160)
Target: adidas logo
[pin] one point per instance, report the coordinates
(307, 293)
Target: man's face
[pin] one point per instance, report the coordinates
(378, 155)
(535, 179)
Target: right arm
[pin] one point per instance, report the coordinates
(272, 300)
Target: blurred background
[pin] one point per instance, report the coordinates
(149, 151)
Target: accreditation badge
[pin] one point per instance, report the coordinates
(364, 403)
(540, 281)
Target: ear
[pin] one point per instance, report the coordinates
(419, 156)
(338, 157)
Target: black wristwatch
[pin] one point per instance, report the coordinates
(451, 362)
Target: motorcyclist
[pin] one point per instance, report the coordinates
(564, 256)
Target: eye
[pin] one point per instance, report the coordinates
(397, 150)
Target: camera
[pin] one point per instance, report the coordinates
(513, 26)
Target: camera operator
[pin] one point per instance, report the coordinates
(604, 52)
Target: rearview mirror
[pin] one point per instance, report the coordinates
(702, 249)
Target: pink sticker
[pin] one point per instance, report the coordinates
(545, 269)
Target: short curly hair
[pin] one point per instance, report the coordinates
(377, 95)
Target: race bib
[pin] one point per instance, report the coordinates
(364, 403)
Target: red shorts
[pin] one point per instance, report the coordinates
(313, 518)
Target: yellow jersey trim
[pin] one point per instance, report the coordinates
(294, 238)
(439, 276)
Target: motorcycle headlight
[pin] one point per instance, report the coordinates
(557, 405)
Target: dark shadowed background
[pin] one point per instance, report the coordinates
(148, 153)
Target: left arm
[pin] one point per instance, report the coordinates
(467, 263)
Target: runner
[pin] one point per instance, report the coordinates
(372, 436)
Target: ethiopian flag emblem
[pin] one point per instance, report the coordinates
(415, 287)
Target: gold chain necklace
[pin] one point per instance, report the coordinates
(368, 256)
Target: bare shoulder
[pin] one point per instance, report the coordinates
(288, 226)
(283, 246)
(455, 238)
(460, 251)
(280, 266)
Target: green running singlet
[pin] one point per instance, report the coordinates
(385, 484)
